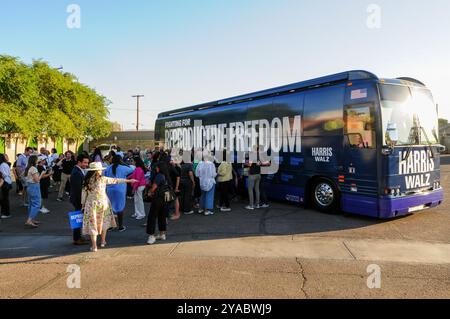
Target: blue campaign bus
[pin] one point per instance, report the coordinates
(350, 142)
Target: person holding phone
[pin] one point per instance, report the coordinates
(67, 165)
(33, 178)
(44, 184)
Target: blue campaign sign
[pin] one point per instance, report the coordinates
(76, 219)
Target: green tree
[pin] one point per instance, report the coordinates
(18, 96)
(38, 100)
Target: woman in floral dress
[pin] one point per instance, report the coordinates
(98, 216)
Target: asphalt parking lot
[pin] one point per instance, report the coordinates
(281, 252)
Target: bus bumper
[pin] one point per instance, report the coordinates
(393, 207)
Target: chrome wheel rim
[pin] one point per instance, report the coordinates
(324, 194)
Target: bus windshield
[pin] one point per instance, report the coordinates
(411, 113)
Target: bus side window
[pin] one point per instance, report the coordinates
(359, 127)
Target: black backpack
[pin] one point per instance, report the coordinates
(165, 192)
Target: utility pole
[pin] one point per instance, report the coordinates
(137, 110)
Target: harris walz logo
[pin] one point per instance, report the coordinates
(417, 168)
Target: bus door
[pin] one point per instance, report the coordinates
(359, 175)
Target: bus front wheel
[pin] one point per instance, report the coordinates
(325, 196)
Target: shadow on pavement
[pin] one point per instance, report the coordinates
(53, 238)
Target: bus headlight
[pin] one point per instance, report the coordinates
(396, 191)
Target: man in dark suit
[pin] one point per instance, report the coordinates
(76, 186)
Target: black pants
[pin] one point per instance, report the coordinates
(224, 191)
(19, 186)
(4, 202)
(263, 190)
(157, 211)
(120, 219)
(186, 196)
(77, 232)
(233, 188)
(67, 189)
(129, 190)
(197, 190)
(44, 190)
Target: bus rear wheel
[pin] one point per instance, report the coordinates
(325, 196)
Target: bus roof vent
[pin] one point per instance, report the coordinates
(411, 80)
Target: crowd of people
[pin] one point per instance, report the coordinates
(99, 186)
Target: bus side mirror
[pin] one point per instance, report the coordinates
(387, 151)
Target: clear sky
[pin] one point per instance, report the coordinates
(183, 52)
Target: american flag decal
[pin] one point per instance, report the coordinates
(359, 94)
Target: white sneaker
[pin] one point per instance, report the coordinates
(257, 207)
(140, 218)
(44, 211)
(5, 217)
(225, 209)
(151, 240)
(209, 213)
(133, 216)
(161, 237)
(201, 211)
(265, 206)
(189, 213)
(250, 207)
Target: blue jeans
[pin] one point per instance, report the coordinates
(207, 199)
(34, 200)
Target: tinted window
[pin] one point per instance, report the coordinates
(260, 109)
(323, 112)
(288, 105)
(360, 127)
